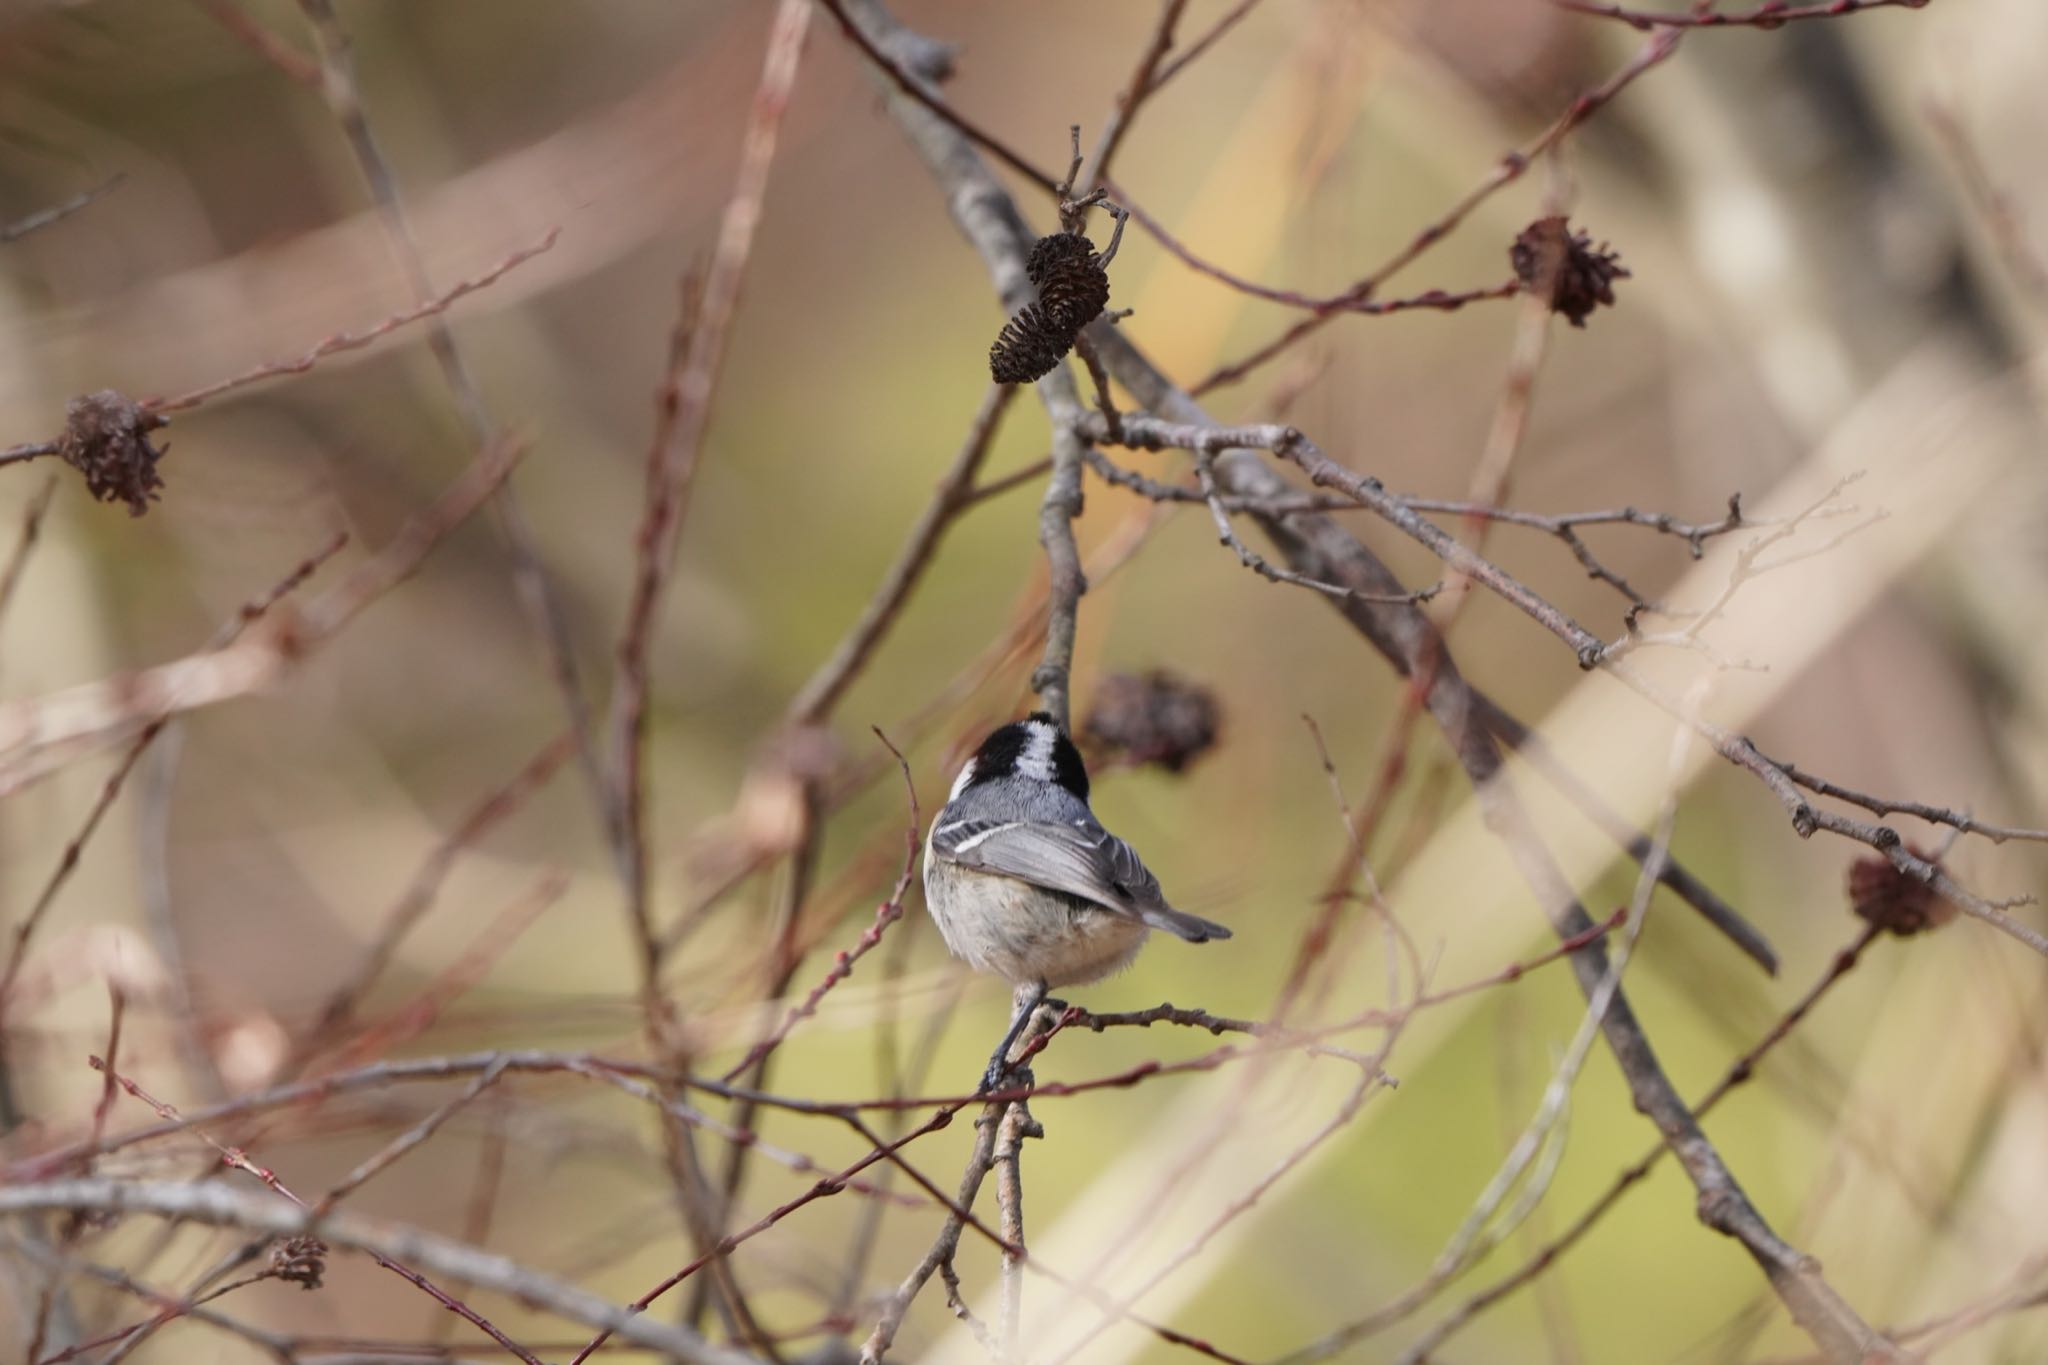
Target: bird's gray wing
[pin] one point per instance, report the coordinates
(1080, 858)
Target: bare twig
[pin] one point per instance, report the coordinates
(672, 469)
(954, 494)
(314, 1218)
(1141, 86)
(419, 894)
(1205, 471)
(1016, 1125)
(28, 450)
(886, 914)
(531, 581)
(1053, 678)
(1995, 208)
(1509, 169)
(1742, 1070)
(171, 1307)
(35, 222)
(223, 1206)
(686, 415)
(407, 1141)
(1345, 301)
(67, 861)
(341, 342)
(36, 732)
(935, 63)
(1771, 14)
(876, 1348)
(295, 65)
(1226, 21)
(24, 546)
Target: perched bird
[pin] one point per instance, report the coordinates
(1025, 882)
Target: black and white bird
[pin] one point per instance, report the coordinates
(1024, 881)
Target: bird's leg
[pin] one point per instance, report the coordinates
(1024, 1004)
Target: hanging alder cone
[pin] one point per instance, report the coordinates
(106, 438)
(1565, 268)
(1072, 289)
(1153, 718)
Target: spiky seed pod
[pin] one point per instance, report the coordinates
(1565, 267)
(106, 438)
(1887, 898)
(1154, 718)
(1072, 289)
(1057, 252)
(300, 1260)
(1030, 345)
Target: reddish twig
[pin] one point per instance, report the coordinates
(460, 976)
(67, 861)
(352, 341)
(954, 494)
(672, 466)
(1226, 21)
(1738, 1073)
(1769, 15)
(1345, 301)
(1142, 85)
(407, 1141)
(295, 65)
(886, 914)
(531, 581)
(31, 530)
(221, 1205)
(1996, 209)
(830, 1185)
(420, 892)
(119, 1008)
(239, 1160)
(35, 732)
(482, 1209)
(171, 1308)
(914, 86)
(1509, 169)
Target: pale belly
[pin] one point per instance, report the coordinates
(999, 925)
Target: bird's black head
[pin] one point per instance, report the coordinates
(1034, 747)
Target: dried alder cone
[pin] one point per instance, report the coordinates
(1563, 266)
(300, 1260)
(1072, 289)
(106, 438)
(1152, 718)
(1888, 899)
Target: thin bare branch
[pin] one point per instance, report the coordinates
(56, 213)
(224, 1206)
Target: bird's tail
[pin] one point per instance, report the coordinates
(1181, 924)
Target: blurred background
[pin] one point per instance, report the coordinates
(1833, 236)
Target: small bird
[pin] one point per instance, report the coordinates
(1025, 882)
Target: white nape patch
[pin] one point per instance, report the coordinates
(1036, 760)
(960, 782)
(965, 845)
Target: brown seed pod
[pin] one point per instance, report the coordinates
(106, 438)
(1072, 289)
(1156, 718)
(1888, 899)
(1565, 267)
(300, 1260)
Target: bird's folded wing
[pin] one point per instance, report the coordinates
(1081, 859)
